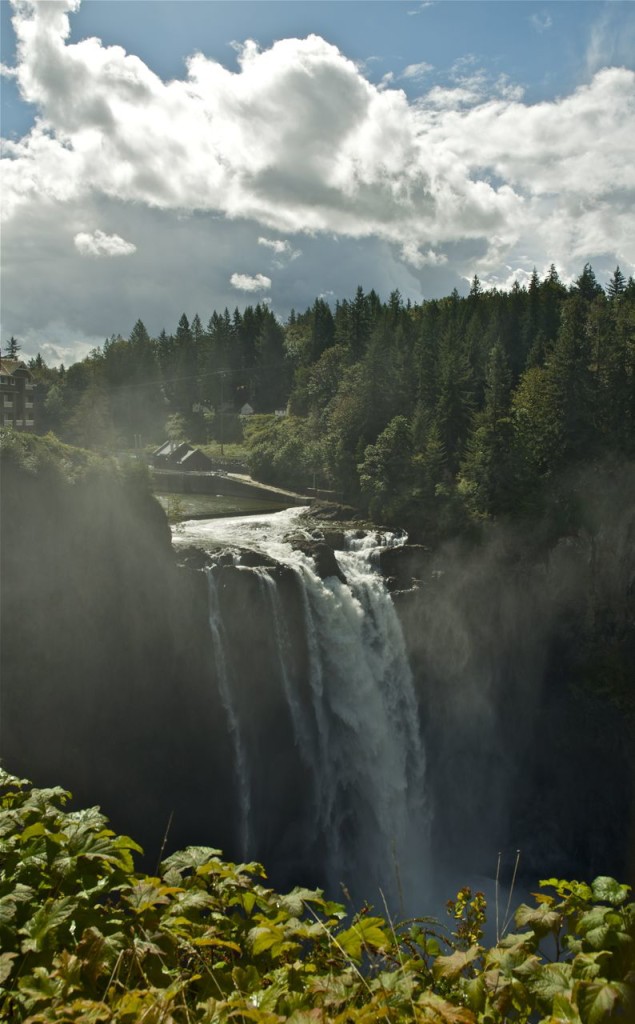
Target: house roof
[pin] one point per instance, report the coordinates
(195, 455)
(9, 366)
(171, 448)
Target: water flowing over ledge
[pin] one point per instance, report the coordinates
(339, 706)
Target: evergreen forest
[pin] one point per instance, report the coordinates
(436, 417)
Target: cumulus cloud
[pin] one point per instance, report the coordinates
(541, 22)
(299, 141)
(412, 255)
(246, 283)
(100, 244)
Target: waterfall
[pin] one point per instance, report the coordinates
(353, 721)
(226, 690)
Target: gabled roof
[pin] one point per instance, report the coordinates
(9, 366)
(196, 456)
(171, 448)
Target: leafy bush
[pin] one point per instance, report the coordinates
(85, 939)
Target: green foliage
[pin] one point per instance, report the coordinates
(48, 457)
(85, 938)
(505, 392)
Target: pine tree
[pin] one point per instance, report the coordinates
(587, 284)
(12, 348)
(617, 284)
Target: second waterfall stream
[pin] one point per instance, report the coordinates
(329, 766)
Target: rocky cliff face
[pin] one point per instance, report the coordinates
(105, 657)
(522, 667)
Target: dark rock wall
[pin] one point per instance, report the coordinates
(527, 709)
(106, 681)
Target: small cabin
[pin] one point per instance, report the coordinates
(181, 455)
(195, 461)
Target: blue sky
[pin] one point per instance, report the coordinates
(394, 145)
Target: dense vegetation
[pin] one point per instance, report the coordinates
(436, 416)
(86, 939)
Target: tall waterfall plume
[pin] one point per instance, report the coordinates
(329, 765)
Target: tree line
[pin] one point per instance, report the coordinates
(437, 415)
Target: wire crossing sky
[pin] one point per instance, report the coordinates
(176, 156)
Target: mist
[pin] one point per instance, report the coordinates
(492, 737)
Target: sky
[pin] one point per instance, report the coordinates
(171, 156)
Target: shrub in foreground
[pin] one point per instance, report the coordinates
(85, 938)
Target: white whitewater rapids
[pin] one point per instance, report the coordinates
(359, 734)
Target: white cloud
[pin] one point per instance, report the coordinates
(298, 141)
(285, 253)
(100, 244)
(246, 283)
(279, 245)
(412, 255)
(417, 71)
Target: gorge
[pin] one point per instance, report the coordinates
(373, 732)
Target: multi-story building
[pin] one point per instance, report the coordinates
(17, 395)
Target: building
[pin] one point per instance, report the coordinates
(181, 455)
(17, 395)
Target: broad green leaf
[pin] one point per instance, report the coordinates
(99, 952)
(552, 980)
(190, 859)
(365, 935)
(450, 967)
(37, 829)
(40, 985)
(565, 888)
(587, 965)
(149, 893)
(474, 989)
(6, 965)
(248, 900)
(562, 1012)
(46, 920)
(609, 891)
(541, 919)
(294, 901)
(89, 1011)
(264, 937)
(246, 979)
(597, 999)
(8, 908)
(431, 1007)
